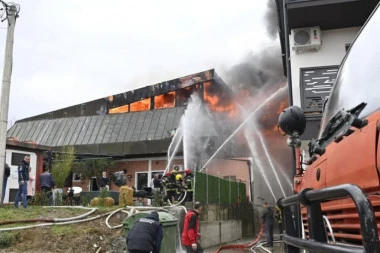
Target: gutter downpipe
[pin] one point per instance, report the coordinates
(287, 54)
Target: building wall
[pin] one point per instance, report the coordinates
(133, 168)
(331, 52)
(230, 168)
(36, 161)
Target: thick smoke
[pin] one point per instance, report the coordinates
(256, 71)
(271, 19)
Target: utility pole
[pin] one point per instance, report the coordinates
(11, 15)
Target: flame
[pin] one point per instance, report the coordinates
(165, 100)
(183, 95)
(142, 105)
(219, 101)
(120, 109)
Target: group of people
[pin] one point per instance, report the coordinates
(146, 235)
(25, 179)
(174, 184)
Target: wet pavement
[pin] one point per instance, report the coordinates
(278, 247)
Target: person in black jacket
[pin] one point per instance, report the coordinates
(104, 181)
(267, 216)
(146, 235)
(7, 173)
(23, 177)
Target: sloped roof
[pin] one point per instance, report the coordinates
(149, 126)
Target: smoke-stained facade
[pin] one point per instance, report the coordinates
(130, 124)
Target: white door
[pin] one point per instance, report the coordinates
(13, 158)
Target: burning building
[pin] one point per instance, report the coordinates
(134, 127)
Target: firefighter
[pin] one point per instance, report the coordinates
(188, 183)
(278, 216)
(179, 184)
(171, 187)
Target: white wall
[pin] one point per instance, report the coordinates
(331, 52)
(12, 182)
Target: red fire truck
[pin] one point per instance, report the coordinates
(336, 205)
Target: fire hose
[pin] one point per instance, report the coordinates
(243, 246)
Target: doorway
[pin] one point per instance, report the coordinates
(94, 184)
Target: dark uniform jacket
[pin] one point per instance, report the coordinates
(104, 181)
(146, 234)
(188, 182)
(23, 171)
(267, 216)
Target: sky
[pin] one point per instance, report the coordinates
(70, 52)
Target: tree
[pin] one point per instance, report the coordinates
(62, 165)
(93, 167)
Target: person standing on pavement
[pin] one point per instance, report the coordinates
(23, 177)
(267, 216)
(190, 234)
(7, 173)
(146, 235)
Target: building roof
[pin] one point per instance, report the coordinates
(112, 126)
(102, 106)
(151, 126)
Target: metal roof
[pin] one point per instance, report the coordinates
(86, 131)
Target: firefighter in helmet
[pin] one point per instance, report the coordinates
(279, 218)
(188, 184)
(180, 188)
(171, 187)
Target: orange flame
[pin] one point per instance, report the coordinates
(219, 102)
(165, 100)
(142, 105)
(120, 109)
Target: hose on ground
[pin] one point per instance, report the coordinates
(243, 246)
(54, 223)
(92, 210)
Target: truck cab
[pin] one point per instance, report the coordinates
(346, 151)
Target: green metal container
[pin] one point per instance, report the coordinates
(169, 225)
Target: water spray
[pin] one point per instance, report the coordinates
(178, 135)
(270, 161)
(243, 124)
(258, 162)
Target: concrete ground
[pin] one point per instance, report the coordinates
(278, 247)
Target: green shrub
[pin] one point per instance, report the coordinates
(6, 239)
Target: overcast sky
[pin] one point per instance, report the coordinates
(73, 51)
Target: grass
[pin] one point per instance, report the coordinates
(62, 230)
(79, 237)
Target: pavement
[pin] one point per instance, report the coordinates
(278, 247)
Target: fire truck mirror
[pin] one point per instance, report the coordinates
(292, 121)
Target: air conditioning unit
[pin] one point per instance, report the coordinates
(178, 168)
(306, 38)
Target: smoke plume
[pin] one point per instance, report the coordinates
(271, 19)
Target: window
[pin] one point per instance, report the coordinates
(165, 100)
(142, 105)
(77, 177)
(142, 180)
(17, 158)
